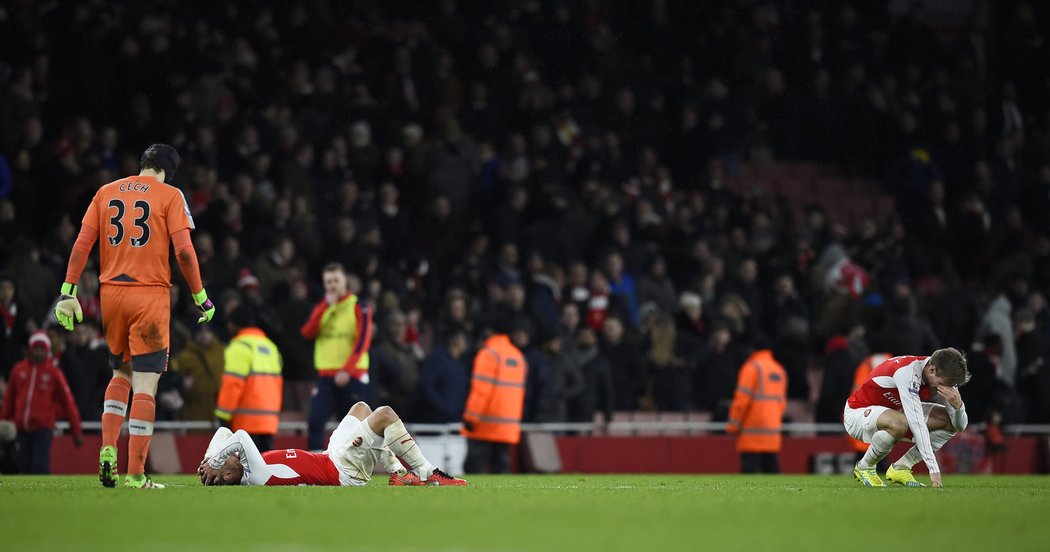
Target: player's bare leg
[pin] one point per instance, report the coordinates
(941, 430)
(140, 428)
(399, 476)
(114, 410)
(892, 427)
(384, 421)
(360, 410)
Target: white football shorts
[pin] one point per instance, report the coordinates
(351, 450)
(862, 423)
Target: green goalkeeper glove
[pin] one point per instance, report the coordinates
(205, 305)
(67, 308)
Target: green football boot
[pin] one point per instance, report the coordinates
(141, 482)
(902, 477)
(107, 466)
(869, 477)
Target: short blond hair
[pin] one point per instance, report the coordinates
(951, 363)
(333, 267)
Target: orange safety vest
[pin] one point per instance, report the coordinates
(757, 412)
(497, 393)
(859, 377)
(250, 398)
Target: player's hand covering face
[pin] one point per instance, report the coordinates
(950, 394)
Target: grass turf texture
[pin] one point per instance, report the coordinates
(569, 512)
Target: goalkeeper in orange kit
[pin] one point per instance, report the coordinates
(136, 219)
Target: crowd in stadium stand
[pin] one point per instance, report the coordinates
(570, 162)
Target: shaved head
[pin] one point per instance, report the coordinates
(231, 472)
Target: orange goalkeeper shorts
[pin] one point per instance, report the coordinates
(136, 321)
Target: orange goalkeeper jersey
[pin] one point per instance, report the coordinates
(135, 217)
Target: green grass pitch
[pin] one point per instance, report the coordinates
(548, 513)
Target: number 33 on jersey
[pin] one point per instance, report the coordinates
(135, 218)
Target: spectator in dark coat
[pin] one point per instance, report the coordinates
(34, 281)
(265, 313)
(88, 345)
(296, 351)
(670, 365)
(443, 381)
(538, 375)
(70, 362)
(842, 355)
(654, 286)
(395, 365)
(746, 286)
(544, 295)
(565, 380)
(786, 304)
(979, 393)
(791, 349)
(14, 326)
(626, 362)
(719, 366)
(1031, 359)
(1040, 405)
(598, 394)
(910, 334)
(691, 316)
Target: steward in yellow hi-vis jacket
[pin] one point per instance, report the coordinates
(250, 397)
(757, 412)
(341, 329)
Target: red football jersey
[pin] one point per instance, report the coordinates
(300, 467)
(881, 388)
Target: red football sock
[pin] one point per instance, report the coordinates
(114, 409)
(140, 426)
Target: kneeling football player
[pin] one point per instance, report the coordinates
(362, 437)
(896, 400)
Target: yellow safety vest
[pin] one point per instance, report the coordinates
(252, 385)
(335, 341)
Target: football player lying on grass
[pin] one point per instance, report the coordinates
(363, 437)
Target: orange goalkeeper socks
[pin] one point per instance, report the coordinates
(114, 410)
(140, 427)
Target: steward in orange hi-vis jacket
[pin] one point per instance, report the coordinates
(492, 417)
(757, 412)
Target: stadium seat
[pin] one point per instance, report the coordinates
(647, 418)
(699, 416)
(541, 452)
(672, 418)
(799, 411)
(621, 417)
(290, 416)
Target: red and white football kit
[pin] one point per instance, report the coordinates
(896, 384)
(351, 456)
